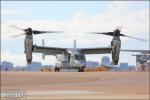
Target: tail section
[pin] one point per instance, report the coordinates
(43, 44)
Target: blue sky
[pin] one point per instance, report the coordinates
(60, 10)
(56, 10)
(75, 17)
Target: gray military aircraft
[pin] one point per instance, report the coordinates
(144, 55)
(71, 58)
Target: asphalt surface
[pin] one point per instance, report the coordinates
(78, 85)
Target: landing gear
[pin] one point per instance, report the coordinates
(116, 62)
(57, 69)
(81, 70)
(115, 59)
(29, 61)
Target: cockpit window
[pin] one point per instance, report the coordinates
(82, 57)
(79, 57)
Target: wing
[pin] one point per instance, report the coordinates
(95, 50)
(48, 50)
(141, 51)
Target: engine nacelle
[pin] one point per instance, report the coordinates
(115, 44)
(28, 48)
(115, 58)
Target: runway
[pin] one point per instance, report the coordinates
(76, 85)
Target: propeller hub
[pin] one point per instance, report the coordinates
(28, 31)
(116, 33)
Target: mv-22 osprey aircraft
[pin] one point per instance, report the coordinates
(71, 58)
(144, 55)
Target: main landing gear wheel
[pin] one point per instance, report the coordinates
(57, 69)
(116, 62)
(81, 70)
(29, 61)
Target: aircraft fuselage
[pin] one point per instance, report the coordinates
(74, 60)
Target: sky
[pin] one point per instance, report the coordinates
(75, 18)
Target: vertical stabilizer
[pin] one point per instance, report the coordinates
(75, 45)
(43, 45)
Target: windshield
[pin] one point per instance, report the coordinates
(82, 57)
(79, 57)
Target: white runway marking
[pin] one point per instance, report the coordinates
(61, 92)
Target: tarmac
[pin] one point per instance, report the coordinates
(77, 85)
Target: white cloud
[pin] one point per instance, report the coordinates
(80, 16)
(19, 59)
(82, 22)
(6, 11)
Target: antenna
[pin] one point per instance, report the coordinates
(75, 45)
(43, 44)
(43, 54)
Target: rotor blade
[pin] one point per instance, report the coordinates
(16, 27)
(112, 34)
(133, 37)
(17, 35)
(103, 33)
(41, 32)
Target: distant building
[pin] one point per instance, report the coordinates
(20, 68)
(68, 70)
(106, 61)
(47, 68)
(50, 66)
(92, 64)
(132, 68)
(113, 68)
(123, 66)
(6, 66)
(34, 66)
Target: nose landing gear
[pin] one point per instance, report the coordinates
(57, 69)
